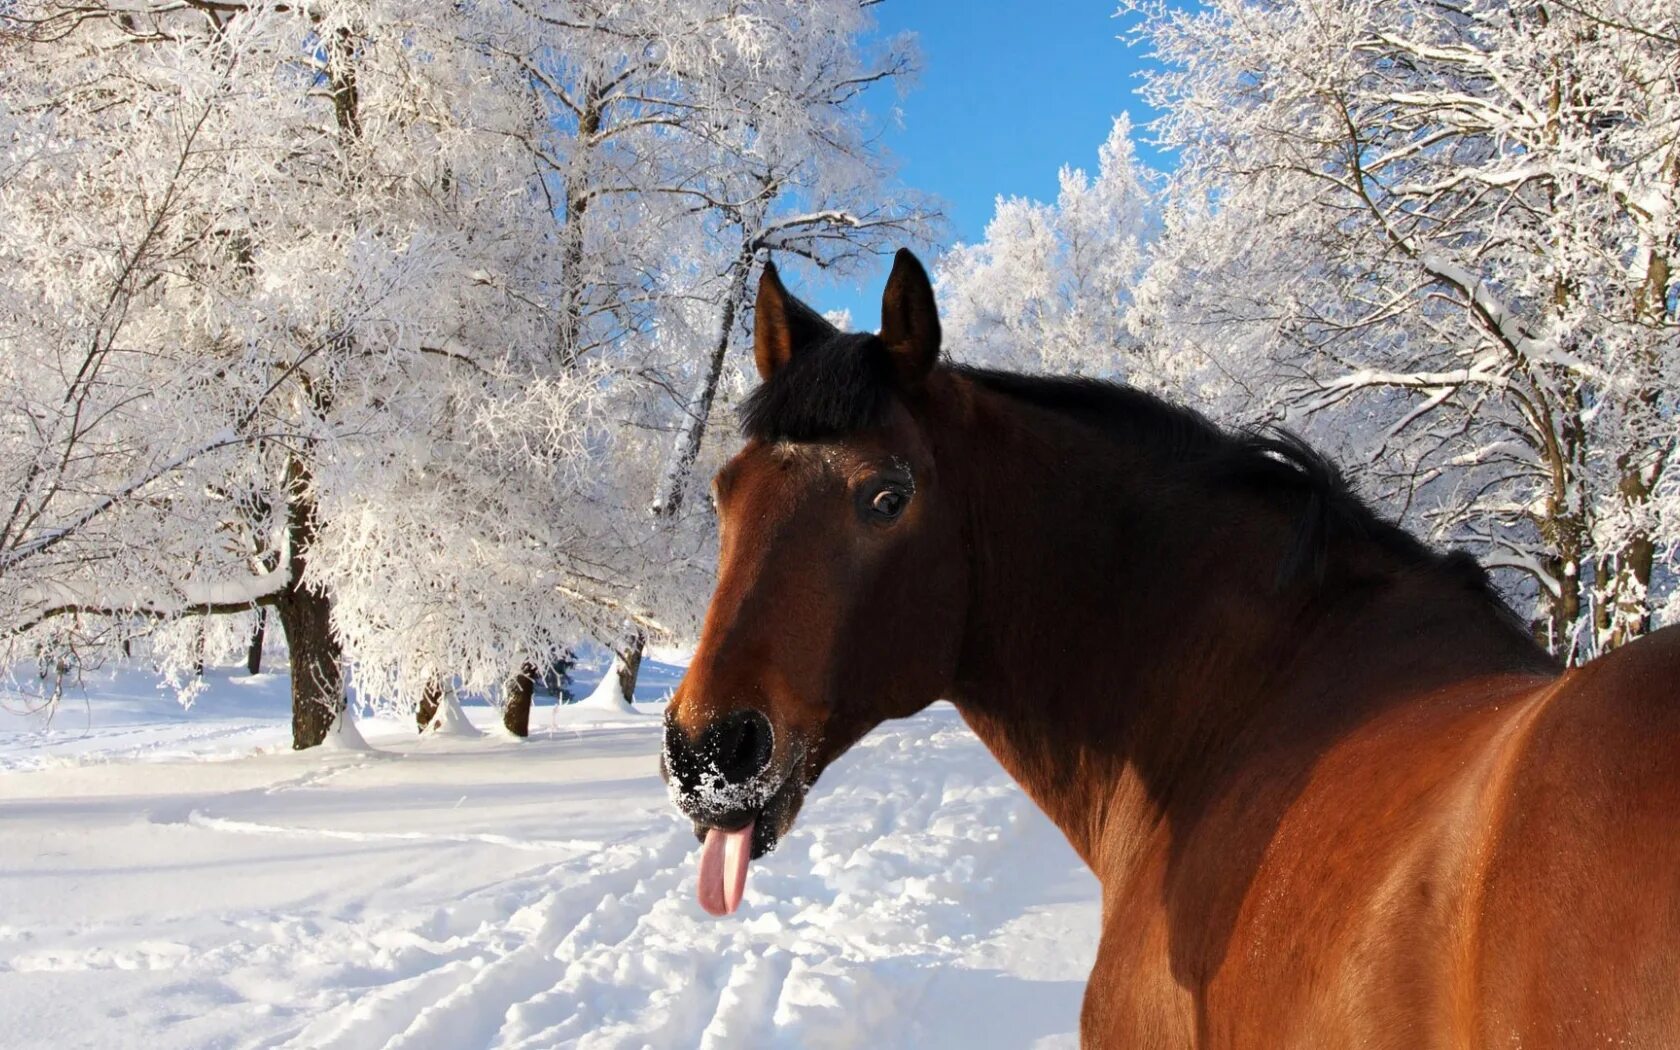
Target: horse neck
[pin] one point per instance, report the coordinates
(1126, 629)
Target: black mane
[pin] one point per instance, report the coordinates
(846, 383)
(1270, 459)
(836, 387)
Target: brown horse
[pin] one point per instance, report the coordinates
(1335, 794)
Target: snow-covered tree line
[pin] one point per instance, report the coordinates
(396, 318)
(1050, 287)
(1440, 238)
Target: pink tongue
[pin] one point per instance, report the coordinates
(723, 869)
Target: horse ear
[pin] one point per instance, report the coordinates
(909, 319)
(782, 324)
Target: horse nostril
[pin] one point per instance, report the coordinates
(738, 746)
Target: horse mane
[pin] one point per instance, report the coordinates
(1265, 459)
(846, 383)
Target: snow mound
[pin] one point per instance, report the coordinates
(450, 720)
(606, 695)
(344, 736)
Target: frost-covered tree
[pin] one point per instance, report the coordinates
(685, 142)
(387, 314)
(1443, 234)
(261, 252)
(804, 181)
(1050, 286)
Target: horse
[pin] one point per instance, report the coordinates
(1335, 793)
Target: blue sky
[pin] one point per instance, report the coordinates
(1008, 93)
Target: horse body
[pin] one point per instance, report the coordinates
(1335, 795)
(1381, 820)
(1488, 864)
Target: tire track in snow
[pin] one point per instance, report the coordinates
(834, 947)
(25, 751)
(508, 960)
(746, 1009)
(855, 932)
(246, 827)
(478, 1012)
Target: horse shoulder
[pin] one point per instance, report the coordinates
(1580, 933)
(1317, 899)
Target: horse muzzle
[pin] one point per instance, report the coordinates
(727, 777)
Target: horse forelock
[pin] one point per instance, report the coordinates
(837, 387)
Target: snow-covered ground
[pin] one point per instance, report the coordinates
(176, 878)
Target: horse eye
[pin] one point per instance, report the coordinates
(888, 504)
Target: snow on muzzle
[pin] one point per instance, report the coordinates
(739, 799)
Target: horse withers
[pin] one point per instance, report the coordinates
(1335, 794)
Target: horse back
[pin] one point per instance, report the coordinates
(1579, 928)
(1495, 864)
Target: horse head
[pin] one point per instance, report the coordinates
(841, 581)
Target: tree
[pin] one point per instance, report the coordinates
(399, 314)
(111, 217)
(1050, 287)
(270, 235)
(516, 709)
(805, 179)
(1443, 235)
(683, 143)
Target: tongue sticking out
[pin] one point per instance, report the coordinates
(723, 869)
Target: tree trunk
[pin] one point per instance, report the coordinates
(629, 664)
(254, 649)
(428, 708)
(1563, 536)
(1626, 609)
(306, 616)
(674, 480)
(1632, 614)
(516, 713)
(1629, 610)
(1563, 530)
(341, 84)
(578, 197)
(317, 678)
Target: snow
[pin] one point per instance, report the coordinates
(180, 878)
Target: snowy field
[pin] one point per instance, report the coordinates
(175, 878)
